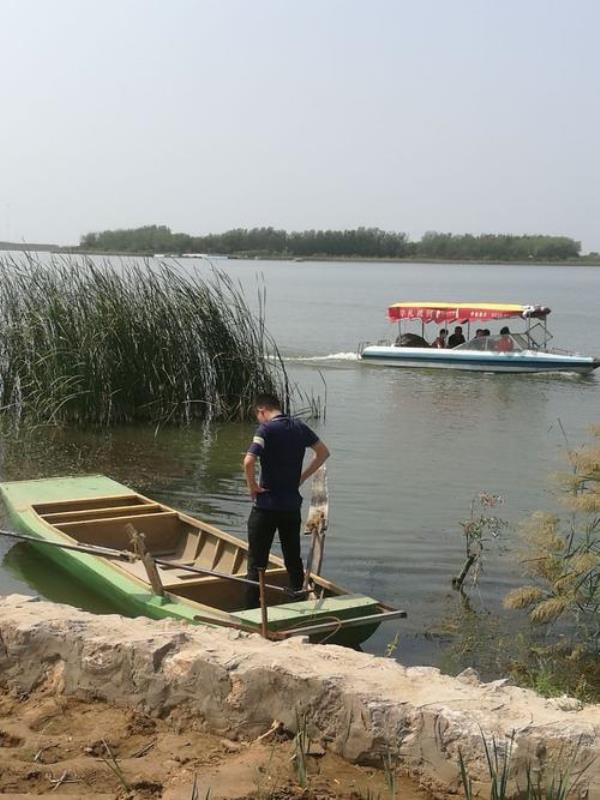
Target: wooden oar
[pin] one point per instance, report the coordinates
(316, 524)
(126, 555)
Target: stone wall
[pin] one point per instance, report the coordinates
(360, 706)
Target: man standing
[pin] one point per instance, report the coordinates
(280, 443)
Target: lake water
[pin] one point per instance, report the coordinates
(410, 449)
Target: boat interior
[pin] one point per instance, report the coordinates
(535, 337)
(172, 537)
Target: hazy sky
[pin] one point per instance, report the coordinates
(451, 115)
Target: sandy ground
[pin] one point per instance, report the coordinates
(64, 747)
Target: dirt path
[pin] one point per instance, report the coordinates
(68, 748)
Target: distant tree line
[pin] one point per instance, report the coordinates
(360, 242)
(497, 247)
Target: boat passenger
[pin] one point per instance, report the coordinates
(504, 343)
(456, 338)
(478, 342)
(440, 342)
(279, 442)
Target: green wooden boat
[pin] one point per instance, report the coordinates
(96, 511)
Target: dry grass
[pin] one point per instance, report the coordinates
(563, 554)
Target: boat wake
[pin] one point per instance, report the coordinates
(329, 357)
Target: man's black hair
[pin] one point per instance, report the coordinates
(269, 401)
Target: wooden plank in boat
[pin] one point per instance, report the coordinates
(89, 502)
(238, 562)
(162, 515)
(99, 513)
(211, 530)
(162, 529)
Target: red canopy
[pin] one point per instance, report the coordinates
(463, 312)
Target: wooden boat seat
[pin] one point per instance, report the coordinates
(101, 513)
(90, 503)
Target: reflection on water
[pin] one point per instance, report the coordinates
(410, 448)
(198, 465)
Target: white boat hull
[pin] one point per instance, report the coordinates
(477, 360)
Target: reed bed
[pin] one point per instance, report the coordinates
(97, 343)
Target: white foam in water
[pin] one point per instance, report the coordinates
(329, 357)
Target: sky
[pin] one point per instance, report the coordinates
(463, 116)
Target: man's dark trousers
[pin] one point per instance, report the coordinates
(262, 524)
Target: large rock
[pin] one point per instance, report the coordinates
(360, 705)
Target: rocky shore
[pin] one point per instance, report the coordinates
(232, 688)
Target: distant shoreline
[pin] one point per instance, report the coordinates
(454, 261)
(58, 250)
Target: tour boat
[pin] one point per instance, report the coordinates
(525, 350)
(196, 571)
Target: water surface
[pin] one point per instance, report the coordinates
(410, 448)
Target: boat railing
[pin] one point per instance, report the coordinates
(560, 351)
(379, 343)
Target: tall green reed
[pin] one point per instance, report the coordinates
(83, 342)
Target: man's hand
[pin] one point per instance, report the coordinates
(255, 489)
(321, 455)
(253, 486)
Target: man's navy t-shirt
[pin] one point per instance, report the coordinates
(280, 444)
